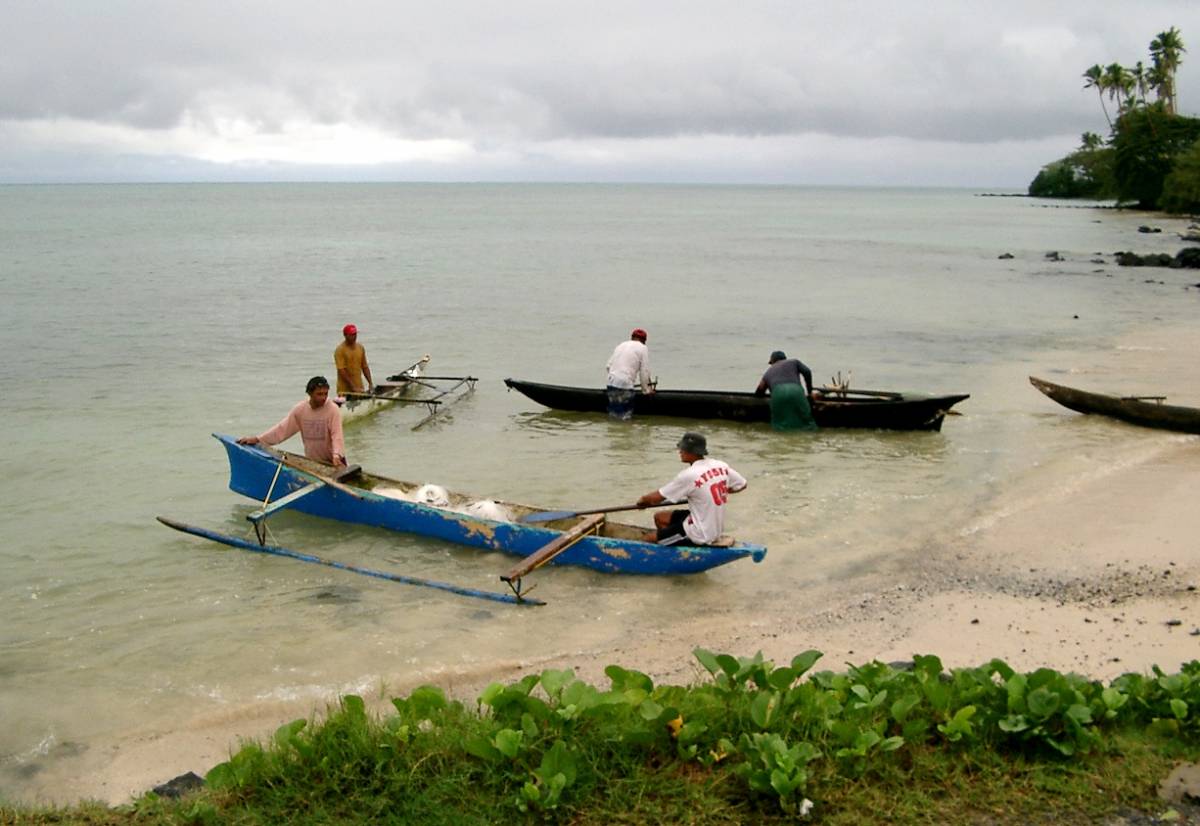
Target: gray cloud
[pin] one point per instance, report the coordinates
(160, 79)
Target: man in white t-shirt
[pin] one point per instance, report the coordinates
(628, 367)
(705, 484)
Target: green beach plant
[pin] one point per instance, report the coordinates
(752, 741)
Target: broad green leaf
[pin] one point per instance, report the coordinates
(529, 727)
(625, 680)
(801, 663)
(489, 694)
(1080, 714)
(482, 748)
(353, 705)
(220, 776)
(508, 742)
(580, 694)
(762, 708)
(781, 678)
(927, 667)
(558, 761)
(286, 734)
(426, 700)
(553, 681)
(650, 710)
(707, 659)
(902, 706)
(1013, 723)
(783, 783)
(690, 731)
(1042, 702)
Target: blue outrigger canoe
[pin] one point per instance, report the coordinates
(614, 547)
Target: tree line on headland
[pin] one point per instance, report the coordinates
(1151, 158)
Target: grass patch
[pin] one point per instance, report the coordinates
(757, 743)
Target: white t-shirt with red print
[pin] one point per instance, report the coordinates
(706, 485)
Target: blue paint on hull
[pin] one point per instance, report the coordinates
(251, 470)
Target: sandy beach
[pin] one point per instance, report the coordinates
(1099, 580)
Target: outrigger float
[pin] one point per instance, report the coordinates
(279, 479)
(403, 387)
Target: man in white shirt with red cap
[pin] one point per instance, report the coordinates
(705, 484)
(628, 366)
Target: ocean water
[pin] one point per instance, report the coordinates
(138, 320)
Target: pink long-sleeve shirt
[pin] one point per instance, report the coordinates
(320, 429)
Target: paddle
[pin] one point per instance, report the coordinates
(550, 516)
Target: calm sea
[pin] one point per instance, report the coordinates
(137, 320)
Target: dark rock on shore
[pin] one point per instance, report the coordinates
(179, 786)
(1145, 228)
(1188, 258)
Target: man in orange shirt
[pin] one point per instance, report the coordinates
(350, 359)
(316, 419)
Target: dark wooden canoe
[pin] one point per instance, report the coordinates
(855, 408)
(1148, 411)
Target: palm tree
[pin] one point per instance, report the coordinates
(1139, 75)
(1091, 140)
(1095, 80)
(1118, 82)
(1167, 51)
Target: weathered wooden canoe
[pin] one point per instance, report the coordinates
(372, 500)
(397, 388)
(1148, 411)
(850, 408)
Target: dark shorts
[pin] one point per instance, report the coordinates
(674, 534)
(620, 402)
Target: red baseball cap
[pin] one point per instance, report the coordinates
(349, 330)
(638, 333)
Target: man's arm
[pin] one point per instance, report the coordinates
(343, 370)
(644, 373)
(285, 429)
(336, 437)
(761, 390)
(651, 499)
(737, 482)
(367, 372)
(804, 371)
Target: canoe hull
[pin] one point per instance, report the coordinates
(896, 411)
(357, 409)
(1147, 414)
(252, 469)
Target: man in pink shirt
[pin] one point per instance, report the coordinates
(317, 420)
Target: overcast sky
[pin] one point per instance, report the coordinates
(874, 92)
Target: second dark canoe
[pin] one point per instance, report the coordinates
(1135, 410)
(861, 409)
